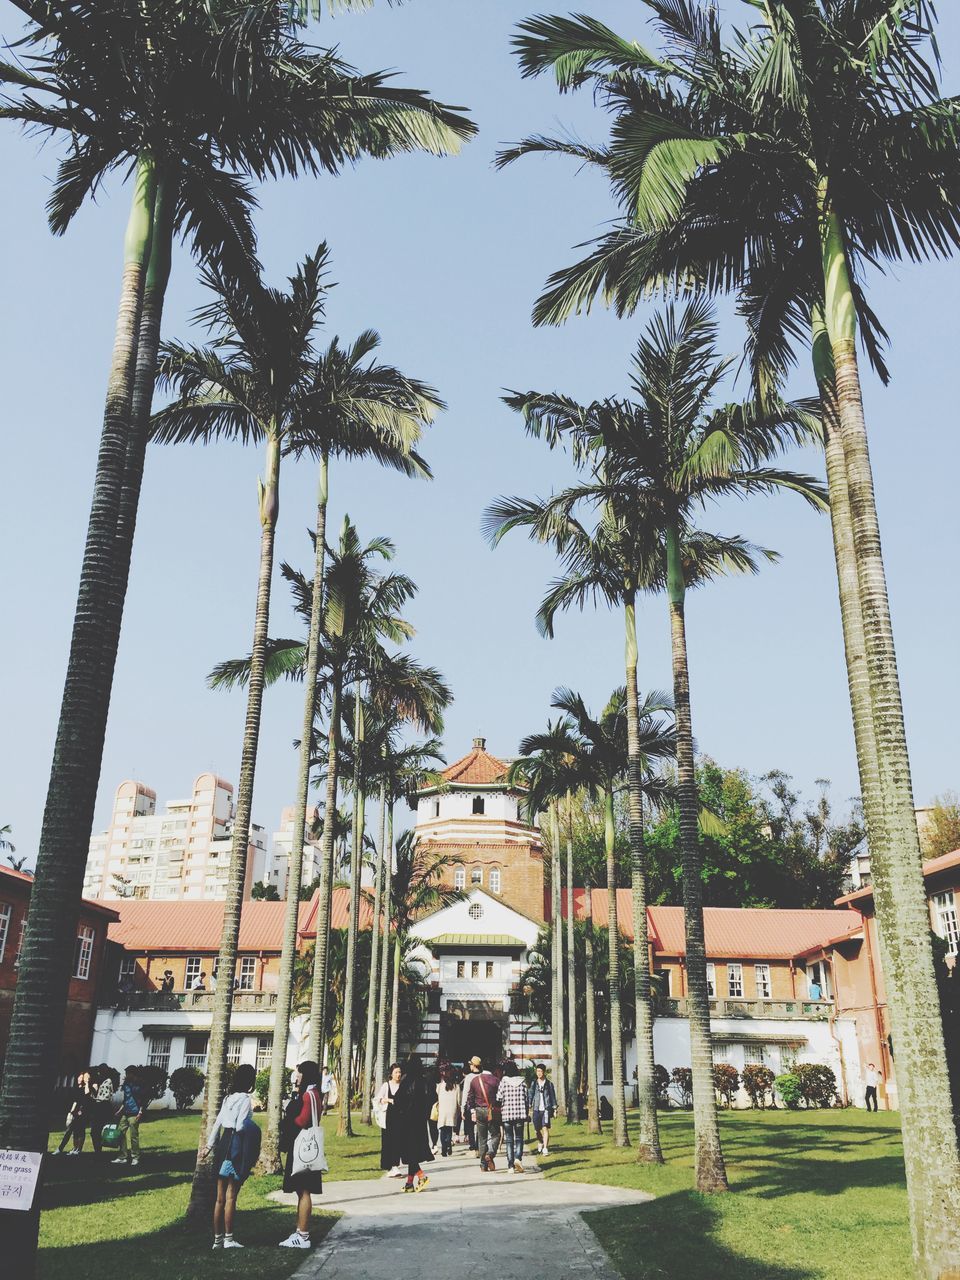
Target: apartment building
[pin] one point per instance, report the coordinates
(276, 862)
(182, 853)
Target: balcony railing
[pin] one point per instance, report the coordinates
(812, 1010)
(199, 1001)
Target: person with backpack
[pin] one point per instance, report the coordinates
(542, 1100)
(303, 1111)
(234, 1141)
(512, 1096)
(130, 1113)
(485, 1109)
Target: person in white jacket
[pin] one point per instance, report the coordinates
(448, 1109)
(234, 1142)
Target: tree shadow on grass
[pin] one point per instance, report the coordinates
(672, 1238)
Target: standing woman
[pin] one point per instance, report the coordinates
(298, 1115)
(390, 1154)
(414, 1101)
(75, 1128)
(235, 1139)
(448, 1108)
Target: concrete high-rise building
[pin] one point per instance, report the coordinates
(277, 862)
(183, 853)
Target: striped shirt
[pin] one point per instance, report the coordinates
(512, 1096)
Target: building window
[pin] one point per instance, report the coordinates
(722, 1051)
(195, 1047)
(83, 953)
(763, 981)
(461, 969)
(5, 913)
(248, 973)
(495, 880)
(234, 1049)
(20, 941)
(476, 875)
(474, 968)
(476, 911)
(735, 981)
(436, 808)
(489, 968)
(192, 972)
(712, 981)
(948, 928)
(478, 804)
(264, 1052)
(128, 966)
(757, 1053)
(159, 1054)
(460, 878)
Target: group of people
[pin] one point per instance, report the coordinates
(98, 1104)
(420, 1110)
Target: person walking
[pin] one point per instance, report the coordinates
(474, 1067)
(328, 1089)
(414, 1101)
(542, 1100)
(304, 1103)
(483, 1104)
(130, 1113)
(512, 1096)
(103, 1105)
(75, 1127)
(873, 1078)
(234, 1141)
(448, 1108)
(391, 1157)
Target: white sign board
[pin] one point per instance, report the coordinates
(19, 1171)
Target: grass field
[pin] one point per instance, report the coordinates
(103, 1220)
(816, 1196)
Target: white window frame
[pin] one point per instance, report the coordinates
(264, 1052)
(20, 941)
(128, 966)
(722, 1050)
(476, 877)
(945, 907)
(474, 969)
(490, 969)
(711, 980)
(247, 974)
(6, 914)
(83, 959)
(734, 978)
(461, 968)
(756, 1054)
(192, 971)
(159, 1054)
(763, 978)
(460, 878)
(496, 880)
(234, 1050)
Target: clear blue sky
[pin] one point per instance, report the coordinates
(445, 258)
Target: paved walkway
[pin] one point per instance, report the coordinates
(466, 1223)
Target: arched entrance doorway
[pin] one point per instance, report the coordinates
(471, 1028)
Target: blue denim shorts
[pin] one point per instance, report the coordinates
(541, 1119)
(228, 1171)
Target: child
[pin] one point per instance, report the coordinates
(234, 1139)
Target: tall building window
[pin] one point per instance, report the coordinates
(461, 968)
(195, 1046)
(83, 953)
(948, 927)
(712, 981)
(474, 968)
(128, 966)
(192, 972)
(20, 941)
(762, 972)
(5, 913)
(478, 804)
(476, 875)
(234, 1049)
(735, 981)
(489, 968)
(248, 973)
(159, 1053)
(495, 880)
(756, 1053)
(436, 808)
(460, 878)
(264, 1052)
(722, 1051)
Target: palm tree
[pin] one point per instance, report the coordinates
(863, 167)
(249, 384)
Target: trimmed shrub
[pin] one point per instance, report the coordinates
(262, 1086)
(661, 1083)
(154, 1081)
(758, 1082)
(726, 1081)
(682, 1079)
(788, 1087)
(187, 1084)
(818, 1084)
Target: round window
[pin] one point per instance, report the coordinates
(476, 911)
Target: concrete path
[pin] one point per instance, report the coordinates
(465, 1223)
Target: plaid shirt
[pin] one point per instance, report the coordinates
(512, 1096)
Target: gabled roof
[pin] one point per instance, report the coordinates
(473, 941)
(25, 878)
(945, 862)
(147, 925)
(477, 768)
(735, 933)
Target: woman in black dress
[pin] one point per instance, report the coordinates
(303, 1105)
(391, 1157)
(413, 1102)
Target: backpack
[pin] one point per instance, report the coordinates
(308, 1154)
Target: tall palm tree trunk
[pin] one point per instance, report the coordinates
(590, 1003)
(381, 1064)
(204, 1178)
(573, 1112)
(648, 1141)
(317, 1039)
(270, 1154)
(36, 1027)
(556, 959)
(367, 1084)
(620, 1135)
(395, 999)
(345, 1124)
(710, 1167)
(930, 1149)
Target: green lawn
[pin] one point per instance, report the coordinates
(103, 1220)
(816, 1196)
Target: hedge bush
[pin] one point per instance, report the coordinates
(758, 1081)
(788, 1087)
(661, 1083)
(187, 1084)
(818, 1084)
(154, 1082)
(262, 1086)
(726, 1081)
(682, 1079)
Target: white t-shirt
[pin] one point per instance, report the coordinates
(236, 1110)
(326, 1082)
(873, 1078)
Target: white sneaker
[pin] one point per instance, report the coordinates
(135, 1160)
(119, 1160)
(396, 1172)
(539, 1150)
(544, 1152)
(295, 1241)
(218, 1242)
(232, 1244)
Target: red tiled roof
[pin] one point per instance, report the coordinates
(88, 903)
(477, 768)
(945, 862)
(339, 913)
(733, 932)
(146, 925)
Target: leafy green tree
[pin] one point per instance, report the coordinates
(940, 830)
(263, 892)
